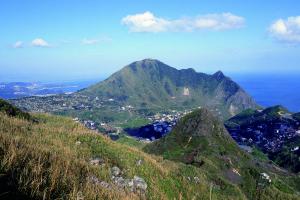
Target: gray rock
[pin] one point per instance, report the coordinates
(105, 185)
(120, 182)
(94, 180)
(139, 162)
(115, 171)
(139, 184)
(96, 161)
(129, 183)
(197, 180)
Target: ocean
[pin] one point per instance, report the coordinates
(270, 90)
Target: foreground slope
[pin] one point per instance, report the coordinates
(202, 141)
(57, 158)
(152, 84)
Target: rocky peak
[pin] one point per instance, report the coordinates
(219, 75)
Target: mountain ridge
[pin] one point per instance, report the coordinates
(151, 83)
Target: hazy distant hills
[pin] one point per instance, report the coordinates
(152, 84)
(13, 90)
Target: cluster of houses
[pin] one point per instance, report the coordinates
(62, 102)
(172, 116)
(270, 135)
(161, 124)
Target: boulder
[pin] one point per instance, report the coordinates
(115, 171)
(139, 184)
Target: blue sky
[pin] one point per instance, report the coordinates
(68, 40)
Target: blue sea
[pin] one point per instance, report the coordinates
(270, 90)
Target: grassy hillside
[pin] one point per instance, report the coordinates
(52, 160)
(252, 116)
(43, 160)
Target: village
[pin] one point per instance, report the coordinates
(270, 136)
(159, 125)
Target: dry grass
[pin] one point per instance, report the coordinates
(44, 162)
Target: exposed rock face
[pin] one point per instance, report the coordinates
(186, 91)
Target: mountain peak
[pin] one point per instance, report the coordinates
(148, 61)
(219, 75)
(147, 64)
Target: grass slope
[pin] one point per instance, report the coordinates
(43, 161)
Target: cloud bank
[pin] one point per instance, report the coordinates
(286, 30)
(148, 22)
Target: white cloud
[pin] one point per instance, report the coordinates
(18, 44)
(286, 30)
(148, 22)
(39, 42)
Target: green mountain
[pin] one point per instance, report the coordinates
(201, 140)
(253, 115)
(197, 134)
(153, 84)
